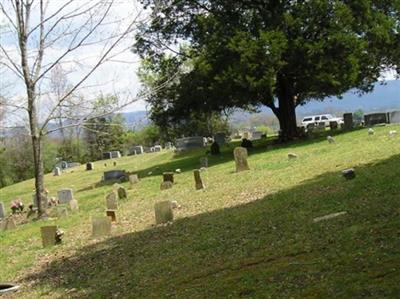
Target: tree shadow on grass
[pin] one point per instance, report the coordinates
(268, 248)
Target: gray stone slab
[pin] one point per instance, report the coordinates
(114, 175)
(348, 121)
(112, 201)
(375, 119)
(65, 195)
(73, 204)
(256, 135)
(2, 210)
(101, 226)
(188, 143)
(48, 234)
(394, 117)
(163, 212)
(240, 154)
(157, 148)
(137, 150)
(57, 171)
(133, 179)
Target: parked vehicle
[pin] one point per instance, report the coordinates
(322, 118)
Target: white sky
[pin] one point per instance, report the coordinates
(115, 76)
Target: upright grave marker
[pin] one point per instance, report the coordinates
(101, 226)
(168, 177)
(163, 212)
(89, 166)
(73, 204)
(65, 195)
(122, 193)
(133, 179)
(112, 201)
(49, 235)
(348, 121)
(57, 171)
(2, 210)
(112, 215)
(198, 181)
(240, 154)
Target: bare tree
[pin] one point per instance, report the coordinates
(39, 37)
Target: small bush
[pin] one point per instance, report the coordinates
(215, 149)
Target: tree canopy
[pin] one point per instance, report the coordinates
(276, 53)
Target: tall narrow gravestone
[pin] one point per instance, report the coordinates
(122, 193)
(2, 211)
(163, 212)
(240, 154)
(197, 179)
(348, 121)
(112, 201)
(57, 171)
(65, 195)
(101, 226)
(168, 177)
(49, 234)
(204, 162)
(73, 204)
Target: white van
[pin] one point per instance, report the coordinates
(322, 118)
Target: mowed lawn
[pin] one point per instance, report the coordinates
(247, 235)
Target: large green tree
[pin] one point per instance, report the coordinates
(276, 53)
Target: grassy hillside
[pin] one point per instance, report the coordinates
(247, 235)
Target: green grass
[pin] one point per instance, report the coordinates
(247, 235)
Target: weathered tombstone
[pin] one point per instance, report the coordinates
(246, 135)
(137, 150)
(349, 174)
(240, 154)
(112, 215)
(204, 162)
(133, 179)
(57, 171)
(333, 125)
(115, 154)
(73, 204)
(115, 163)
(292, 156)
(107, 155)
(188, 143)
(8, 224)
(49, 235)
(2, 210)
(65, 195)
(394, 117)
(328, 217)
(163, 212)
(62, 212)
(101, 226)
(197, 179)
(122, 193)
(157, 148)
(89, 166)
(114, 175)
(168, 177)
(375, 119)
(220, 138)
(166, 185)
(112, 201)
(168, 145)
(256, 135)
(348, 121)
(371, 131)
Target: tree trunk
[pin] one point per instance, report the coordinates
(286, 113)
(37, 152)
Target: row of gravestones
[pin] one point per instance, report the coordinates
(373, 119)
(139, 149)
(163, 210)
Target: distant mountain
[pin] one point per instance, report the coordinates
(136, 120)
(384, 97)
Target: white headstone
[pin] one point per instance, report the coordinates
(57, 171)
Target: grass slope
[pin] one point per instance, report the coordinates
(247, 235)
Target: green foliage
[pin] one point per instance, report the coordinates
(289, 52)
(104, 133)
(214, 149)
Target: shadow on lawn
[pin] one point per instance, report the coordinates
(266, 248)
